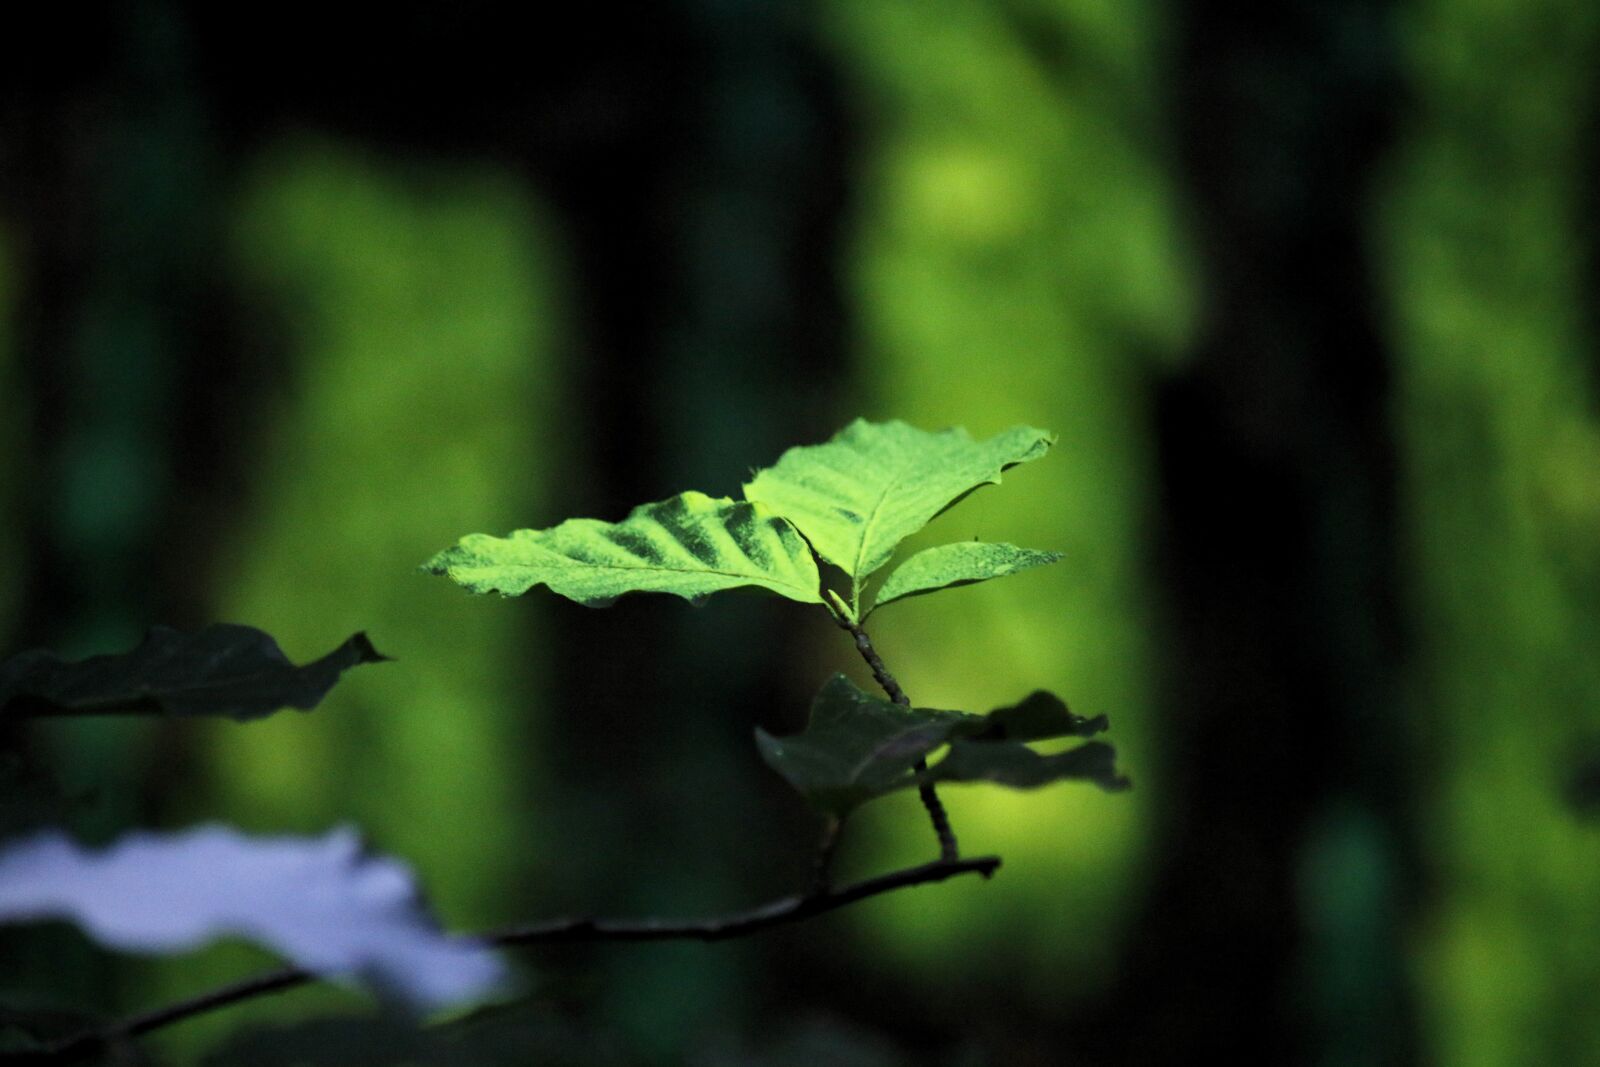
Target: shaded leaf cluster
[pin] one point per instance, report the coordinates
(857, 747)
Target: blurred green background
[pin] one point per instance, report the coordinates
(288, 303)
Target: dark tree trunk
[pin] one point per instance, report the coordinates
(1278, 550)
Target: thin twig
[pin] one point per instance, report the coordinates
(720, 928)
(948, 850)
(741, 924)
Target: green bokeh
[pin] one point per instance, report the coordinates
(421, 403)
(1014, 254)
(1485, 226)
(1016, 260)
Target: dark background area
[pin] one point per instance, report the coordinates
(290, 299)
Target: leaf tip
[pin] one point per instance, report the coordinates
(439, 563)
(366, 652)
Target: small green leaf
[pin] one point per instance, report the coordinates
(1017, 766)
(236, 671)
(690, 545)
(962, 563)
(855, 746)
(874, 484)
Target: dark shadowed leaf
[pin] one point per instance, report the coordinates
(1040, 716)
(323, 903)
(1017, 766)
(234, 671)
(856, 747)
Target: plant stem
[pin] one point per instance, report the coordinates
(741, 924)
(948, 850)
(720, 928)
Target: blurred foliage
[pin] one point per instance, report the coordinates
(421, 400)
(1489, 229)
(1014, 250)
(1016, 259)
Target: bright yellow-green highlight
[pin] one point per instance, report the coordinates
(1491, 296)
(690, 545)
(418, 324)
(1014, 261)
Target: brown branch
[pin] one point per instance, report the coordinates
(741, 924)
(949, 851)
(720, 928)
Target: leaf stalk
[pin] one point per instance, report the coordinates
(949, 850)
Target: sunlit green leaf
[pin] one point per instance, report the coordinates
(691, 545)
(235, 671)
(874, 484)
(961, 563)
(856, 747)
